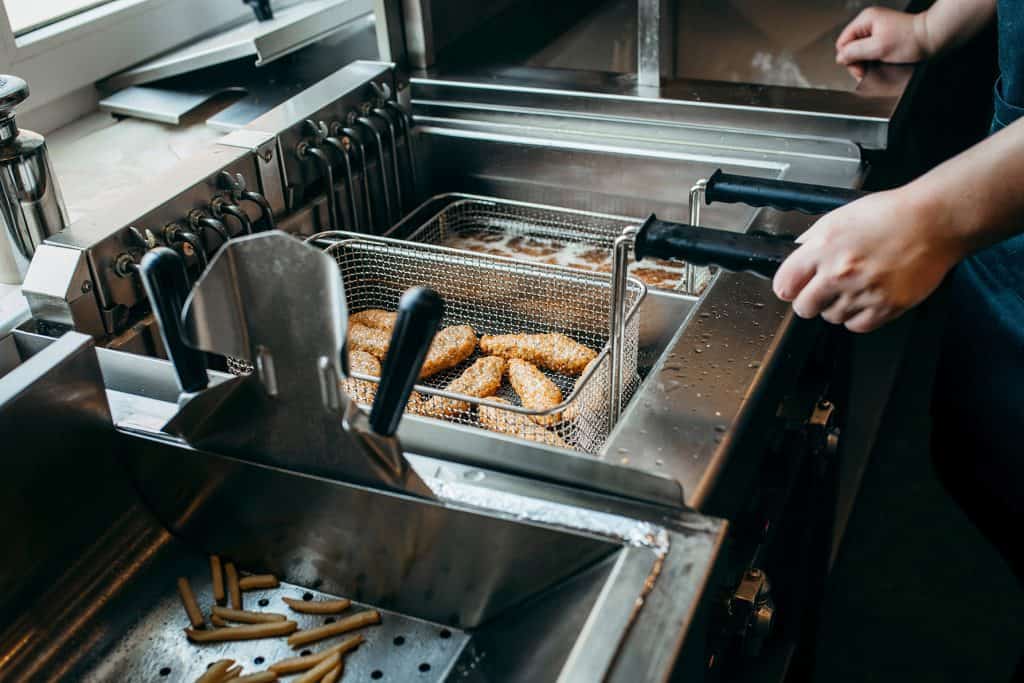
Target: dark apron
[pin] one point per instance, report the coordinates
(978, 438)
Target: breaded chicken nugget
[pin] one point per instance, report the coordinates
(376, 318)
(552, 351)
(451, 346)
(365, 364)
(480, 379)
(535, 390)
(369, 339)
(515, 424)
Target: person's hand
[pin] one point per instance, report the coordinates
(866, 263)
(878, 34)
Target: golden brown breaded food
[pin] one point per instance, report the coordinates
(451, 346)
(593, 399)
(515, 424)
(365, 364)
(551, 351)
(369, 339)
(480, 379)
(536, 391)
(376, 318)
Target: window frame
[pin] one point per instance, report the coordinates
(76, 52)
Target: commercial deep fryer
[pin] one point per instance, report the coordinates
(735, 410)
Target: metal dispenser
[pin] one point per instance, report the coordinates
(31, 206)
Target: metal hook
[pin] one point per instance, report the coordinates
(221, 207)
(365, 122)
(357, 145)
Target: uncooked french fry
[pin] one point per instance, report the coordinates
(296, 664)
(258, 581)
(246, 617)
(232, 673)
(247, 632)
(188, 599)
(334, 674)
(233, 589)
(218, 622)
(318, 606)
(216, 672)
(261, 677)
(337, 628)
(320, 670)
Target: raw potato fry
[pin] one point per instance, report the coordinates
(320, 670)
(245, 617)
(218, 579)
(371, 340)
(334, 674)
(188, 599)
(218, 622)
(365, 364)
(318, 606)
(296, 664)
(247, 632)
(536, 391)
(233, 590)
(451, 346)
(232, 673)
(261, 677)
(551, 351)
(516, 424)
(216, 672)
(337, 628)
(480, 379)
(375, 318)
(257, 582)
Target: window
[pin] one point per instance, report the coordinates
(63, 46)
(27, 15)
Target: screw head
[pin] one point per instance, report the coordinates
(86, 286)
(267, 155)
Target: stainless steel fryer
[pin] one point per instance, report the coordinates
(497, 295)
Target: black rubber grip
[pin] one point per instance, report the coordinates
(757, 254)
(166, 284)
(783, 195)
(419, 313)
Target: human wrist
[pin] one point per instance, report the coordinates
(938, 219)
(923, 38)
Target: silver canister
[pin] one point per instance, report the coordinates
(31, 206)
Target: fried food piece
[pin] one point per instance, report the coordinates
(216, 672)
(320, 670)
(536, 391)
(480, 379)
(188, 599)
(218, 579)
(376, 318)
(451, 346)
(369, 339)
(296, 664)
(218, 622)
(551, 351)
(246, 617)
(318, 606)
(258, 581)
(233, 590)
(516, 424)
(232, 673)
(361, 390)
(261, 677)
(345, 625)
(334, 675)
(270, 629)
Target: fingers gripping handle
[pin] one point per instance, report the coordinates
(783, 195)
(419, 314)
(166, 284)
(760, 255)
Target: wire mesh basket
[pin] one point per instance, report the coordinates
(496, 295)
(544, 234)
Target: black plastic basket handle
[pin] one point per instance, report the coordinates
(783, 195)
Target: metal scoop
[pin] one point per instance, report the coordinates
(292, 411)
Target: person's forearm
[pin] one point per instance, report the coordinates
(976, 198)
(951, 23)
